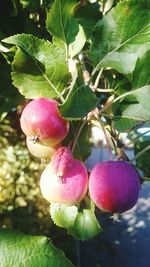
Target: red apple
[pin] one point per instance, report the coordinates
(65, 179)
(114, 186)
(40, 120)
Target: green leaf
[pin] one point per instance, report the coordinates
(124, 125)
(61, 22)
(86, 225)
(117, 41)
(143, 96)
(18, 250)
(79, 103)
(141, 74)
(137, 112)
(63, 215)
(87, 16)
(39, 68)
(80, 223)
(78, 44)
(133, 115)
(9, 96)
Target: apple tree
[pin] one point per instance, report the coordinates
(68, 65)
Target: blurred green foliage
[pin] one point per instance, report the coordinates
(21, 203)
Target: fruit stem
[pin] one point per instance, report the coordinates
(107, 141)
(140, 154)
(98, 78)
(78, 134)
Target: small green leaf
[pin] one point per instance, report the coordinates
(141, 74)
(63, 215)
(39, 68)
(79, 222)
(86, 225)
(18, 250)
(61, 22)
(117, 41)
(79, 103)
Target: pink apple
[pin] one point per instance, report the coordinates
(65, 180)
(39, 150)
(40, 120)
(114, 186)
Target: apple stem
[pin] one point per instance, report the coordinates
(78, 134)
(107, 141)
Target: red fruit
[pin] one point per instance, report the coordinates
(114, 186)
(39, 150)
(65, 179)
(41, 120)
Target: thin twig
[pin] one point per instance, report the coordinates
(78, 134)
(98, 78)
(140, 153)
(145, 178)
(136, 138)
(107, 141)
(104, 90)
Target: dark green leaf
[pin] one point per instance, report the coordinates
(79, 103)
(18, 250)
(122, 36)
(87, 16)
(141, 74)
(9, 96)
(61, 22)
(39, 68)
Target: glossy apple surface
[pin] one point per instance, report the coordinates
(41, 121)
(114, 186)
(65, 179)
(39, 150)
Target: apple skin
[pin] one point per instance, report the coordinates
(41, 120)
(39, 150)
(64, 181)
(114, 186)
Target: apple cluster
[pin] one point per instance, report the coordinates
(112, 185)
